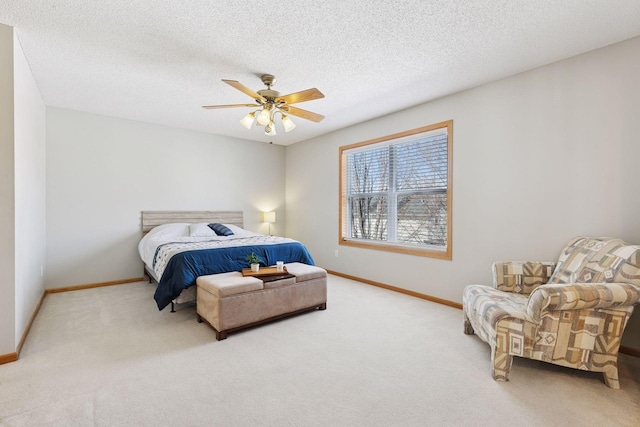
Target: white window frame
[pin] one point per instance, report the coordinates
(433, 251)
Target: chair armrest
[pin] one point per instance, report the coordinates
(521, 277)
(579, 296)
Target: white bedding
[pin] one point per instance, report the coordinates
(182, 232)
(163, 242)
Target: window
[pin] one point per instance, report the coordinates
(395, 192)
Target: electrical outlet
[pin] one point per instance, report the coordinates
(336, 253)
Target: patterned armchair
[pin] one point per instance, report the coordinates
(571, 313)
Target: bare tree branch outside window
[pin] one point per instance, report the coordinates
(368, 179)
(408, 182)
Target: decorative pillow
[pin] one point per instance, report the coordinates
(220, 229)
(201, 230)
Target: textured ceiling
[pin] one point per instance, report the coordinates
(160, 61)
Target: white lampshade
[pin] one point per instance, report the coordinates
(288, 123)
(264, 117)
(268, 217)
(270, 129)
(247, 120)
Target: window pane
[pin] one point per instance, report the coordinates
(421, 164)
(368, 171)
(395, 192)
(368, 217)
(422, 219)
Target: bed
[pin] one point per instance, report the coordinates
(179, 246)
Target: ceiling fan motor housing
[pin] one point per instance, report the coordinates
(269, 94)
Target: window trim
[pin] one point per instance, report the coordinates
(445, 254)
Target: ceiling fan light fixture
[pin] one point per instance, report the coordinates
(287, 123)
(247, 120)
(264, 118)
(270, 129)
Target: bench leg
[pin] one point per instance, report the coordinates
(221, 335)
(322, 306)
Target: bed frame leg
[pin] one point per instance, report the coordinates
(146, 273)
(173, 307)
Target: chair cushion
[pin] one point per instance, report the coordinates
(485, 306)
(598, 260)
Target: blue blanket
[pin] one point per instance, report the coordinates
(183, 268)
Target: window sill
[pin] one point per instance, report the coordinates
(439, 253)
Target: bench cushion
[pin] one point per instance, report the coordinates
(304, 272)
(225, 284)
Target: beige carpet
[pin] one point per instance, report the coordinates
(107, 357)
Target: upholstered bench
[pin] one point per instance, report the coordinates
(231, 301)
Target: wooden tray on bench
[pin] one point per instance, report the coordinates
(265, 271)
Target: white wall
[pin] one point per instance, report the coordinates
(102, 171)
(7, 197)
(30, 215)
(538, 158)
(22, 214)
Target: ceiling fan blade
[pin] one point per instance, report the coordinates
(299, 112)
(213, 107)
(242, 88)
(303, 96)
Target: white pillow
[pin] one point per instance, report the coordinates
(201, 230)
(174, 229)
(239, 232)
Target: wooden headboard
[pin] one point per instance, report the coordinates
(152, 219)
